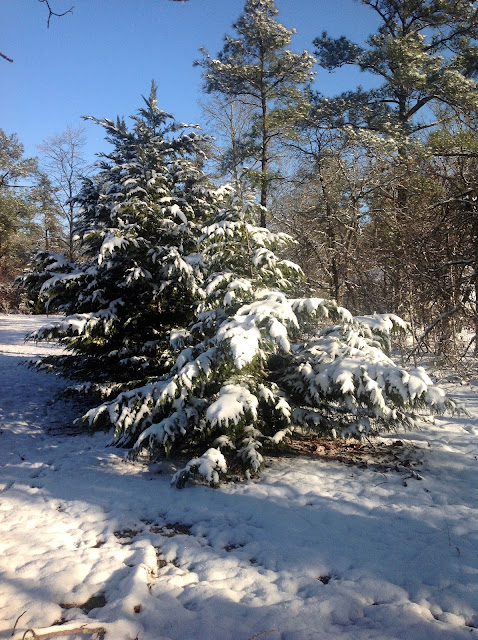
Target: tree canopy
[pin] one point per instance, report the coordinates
(423, 52)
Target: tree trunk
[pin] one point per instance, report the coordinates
(474, 210)
(265, 143)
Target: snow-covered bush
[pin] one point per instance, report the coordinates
(255, 366)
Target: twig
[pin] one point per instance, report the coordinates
(50, 14)
(262, 633)
(16, 622)
(2, 55)
(439, 507)
(446, 523)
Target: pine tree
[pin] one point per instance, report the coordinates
(423, 52)
(423, 58)
(139, 273)
(257, 66)
(18, 230)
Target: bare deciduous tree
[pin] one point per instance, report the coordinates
(229, 118)
(63, 160)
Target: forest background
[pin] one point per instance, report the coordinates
(376, 185)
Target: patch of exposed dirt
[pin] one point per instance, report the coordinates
(378, 456)
(95, 602)
(125, 536)
(171, 530)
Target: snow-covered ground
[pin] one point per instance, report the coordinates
(314, 550)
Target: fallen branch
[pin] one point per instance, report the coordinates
(57, 631)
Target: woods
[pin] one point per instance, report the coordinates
(219, 318)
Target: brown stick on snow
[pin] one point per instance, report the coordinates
(16, 622)
(63, 630)
(263, 633)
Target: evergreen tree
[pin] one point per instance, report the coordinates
(187, 300)
(19, 234)
(13, 165)
(257, 66)
(18, 230)
(139, 274)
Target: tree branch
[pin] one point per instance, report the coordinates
(54, 13)
(442, 317)
(2, 55)
(50, 14)
(68, 629)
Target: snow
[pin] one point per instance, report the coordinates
(233, 403)
(314, 549)
(176, 211)
(209, 465)
(110, 244)
(242, 332)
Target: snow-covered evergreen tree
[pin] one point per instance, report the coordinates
(139, 275)
(255, 366)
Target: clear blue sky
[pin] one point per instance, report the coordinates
(102, 57)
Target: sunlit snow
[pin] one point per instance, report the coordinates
(314, 550)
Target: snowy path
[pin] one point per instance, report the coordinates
(313, 551)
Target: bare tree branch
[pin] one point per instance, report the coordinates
(52, 13)
(55, 13)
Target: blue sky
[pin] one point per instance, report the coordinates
(102, 57)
